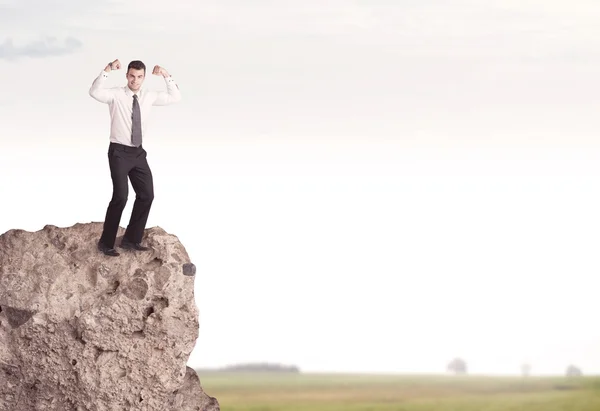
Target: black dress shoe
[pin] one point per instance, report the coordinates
(107, 250)
(128, 245)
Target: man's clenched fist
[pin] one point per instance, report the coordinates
(159, 71)
(115, 65)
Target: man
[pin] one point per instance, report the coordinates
(129, 108)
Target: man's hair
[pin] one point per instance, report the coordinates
(136, 65)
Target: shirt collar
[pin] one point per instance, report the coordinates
(130, 93)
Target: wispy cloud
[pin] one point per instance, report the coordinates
(32, 28)
(47, 47)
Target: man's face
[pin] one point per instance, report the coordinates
(135, 78)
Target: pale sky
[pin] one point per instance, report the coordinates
(363, 186)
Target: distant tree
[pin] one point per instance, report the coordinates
(262, 367)
(525, 370)
(573, 371)
(457, 366)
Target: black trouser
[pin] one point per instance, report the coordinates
(125, 161)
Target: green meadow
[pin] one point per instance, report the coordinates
(341, 392)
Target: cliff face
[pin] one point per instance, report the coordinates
(81, 331)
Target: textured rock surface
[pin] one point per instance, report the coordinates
(81, 331)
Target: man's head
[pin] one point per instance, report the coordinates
(136, 72)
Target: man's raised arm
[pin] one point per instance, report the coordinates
(172, 95)
(103, 94)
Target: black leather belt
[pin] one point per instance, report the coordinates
(122, 147)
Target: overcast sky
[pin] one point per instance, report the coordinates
(363, 186)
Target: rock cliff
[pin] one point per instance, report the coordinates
(81, 331)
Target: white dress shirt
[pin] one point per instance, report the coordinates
(120, 104)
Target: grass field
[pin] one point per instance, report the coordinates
(319, 392)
